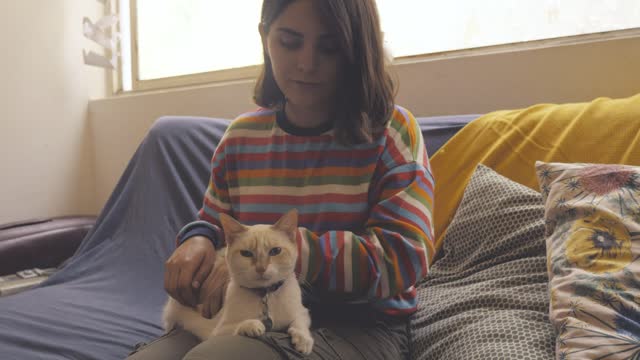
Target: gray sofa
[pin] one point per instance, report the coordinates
(108, 295)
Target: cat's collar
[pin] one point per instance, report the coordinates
(263, 291)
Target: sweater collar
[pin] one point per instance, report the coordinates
(290, 128)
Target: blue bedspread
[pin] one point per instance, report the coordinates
(109, 295)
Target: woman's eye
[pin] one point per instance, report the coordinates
(275, 251)
(246, 253)
(290, 42)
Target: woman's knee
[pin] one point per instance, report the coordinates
(233, 348)
(171, 346)
(170, 127)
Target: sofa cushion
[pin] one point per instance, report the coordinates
(592, 214)
(486, 295)
(511, 141)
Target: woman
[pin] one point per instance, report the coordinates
(329, 141)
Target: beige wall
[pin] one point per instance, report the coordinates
(462, 85)
(45, 148)
(479, 84)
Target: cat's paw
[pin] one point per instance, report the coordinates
(252, 328)
(301, 340)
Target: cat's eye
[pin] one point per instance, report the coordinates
(246, 253)
(275, 251)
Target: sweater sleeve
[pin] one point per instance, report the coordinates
(216, 201)
(397, 245)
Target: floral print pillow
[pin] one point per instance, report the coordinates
(592, 217)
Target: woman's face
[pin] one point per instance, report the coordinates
(305, 56)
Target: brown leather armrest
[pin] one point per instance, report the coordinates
(41, 243)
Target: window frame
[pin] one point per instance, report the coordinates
(249, 73)
(240, 73)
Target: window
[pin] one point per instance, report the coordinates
(415, 27)
(187, 41)
(178, 37)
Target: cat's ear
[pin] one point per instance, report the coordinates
(231, 226)
(288, 223)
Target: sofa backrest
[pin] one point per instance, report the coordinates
(511, 141)
(437, 130)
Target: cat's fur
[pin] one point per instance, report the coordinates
(242, 310)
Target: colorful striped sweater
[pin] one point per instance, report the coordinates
(365, 212)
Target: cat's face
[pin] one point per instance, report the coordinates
(261, 255)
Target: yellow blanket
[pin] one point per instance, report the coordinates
(510, 141)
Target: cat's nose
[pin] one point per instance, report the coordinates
(260, 270)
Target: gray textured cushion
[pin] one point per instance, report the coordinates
(486, 296)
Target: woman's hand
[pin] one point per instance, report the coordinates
(188, 268)
(214, 290)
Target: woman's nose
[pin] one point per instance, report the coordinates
(307, 59)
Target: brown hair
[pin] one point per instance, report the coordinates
(365, 97)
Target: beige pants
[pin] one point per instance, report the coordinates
(340, 337)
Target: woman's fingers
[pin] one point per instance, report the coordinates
(193, 257)
(185, 278)
(172, 271)
(214, 290)
(211, 298)
(205, 268)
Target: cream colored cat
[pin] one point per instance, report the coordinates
(263, 290)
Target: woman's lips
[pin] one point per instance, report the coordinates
(307, 84)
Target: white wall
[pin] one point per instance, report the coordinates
(45, 148)
(463, 85)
